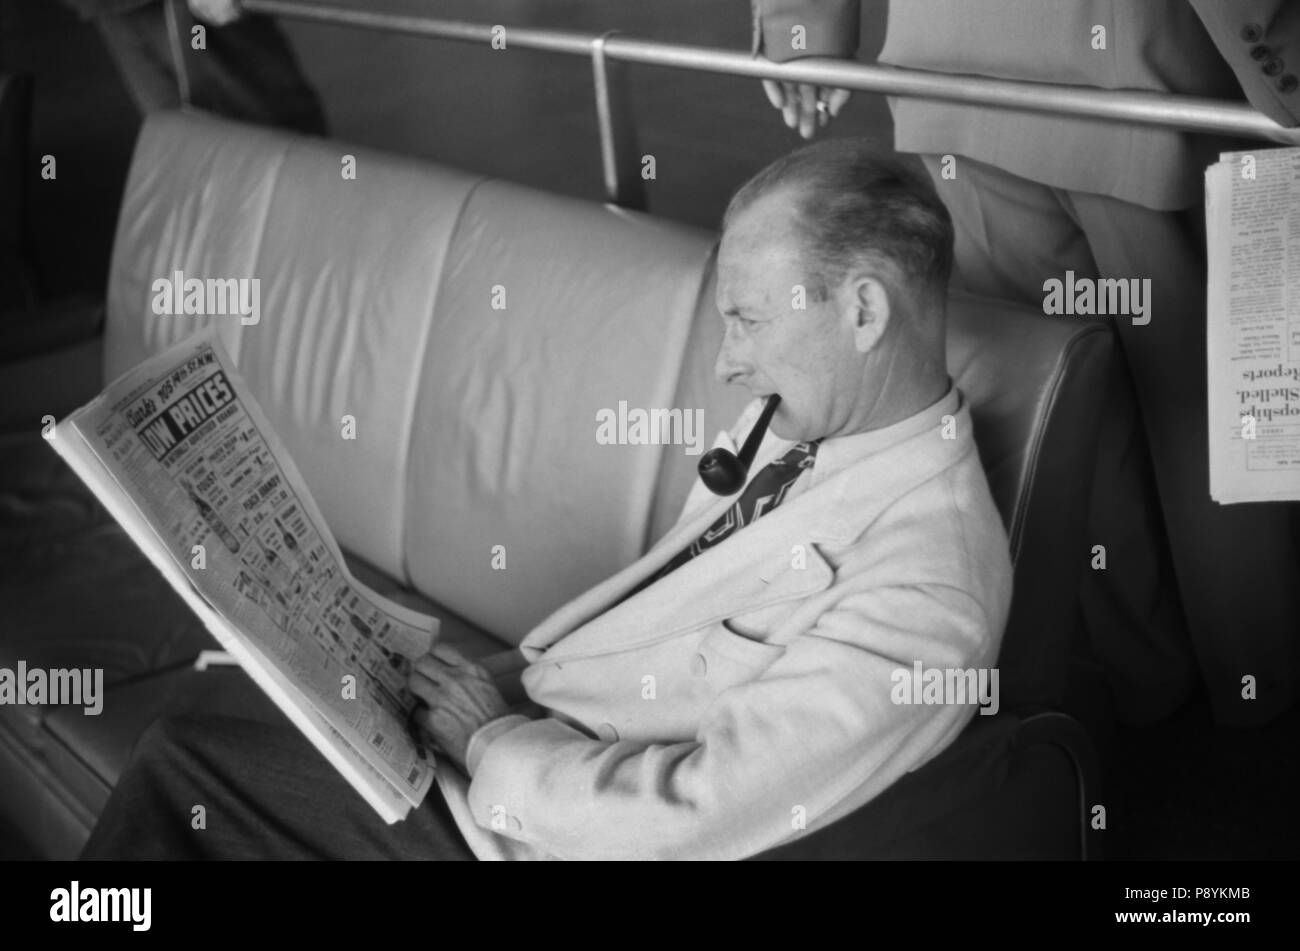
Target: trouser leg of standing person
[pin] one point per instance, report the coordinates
(1010, 236)
(1238, 565)
(138, 43)
(249, 71)
(265, 793)
(245, 70)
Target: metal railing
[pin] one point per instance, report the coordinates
(607, 52)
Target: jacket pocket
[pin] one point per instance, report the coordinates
(731, 657)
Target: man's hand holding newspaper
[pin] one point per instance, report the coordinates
(459, 697)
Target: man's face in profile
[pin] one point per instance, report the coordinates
(770, 346)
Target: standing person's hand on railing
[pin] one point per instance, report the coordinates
(804, 106)
(216, 12)
(795, 29)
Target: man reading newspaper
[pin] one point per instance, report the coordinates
(772, 714)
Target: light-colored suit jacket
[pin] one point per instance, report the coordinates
(1211, 48)
(745, 699)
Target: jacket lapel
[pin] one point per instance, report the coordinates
(586, 606)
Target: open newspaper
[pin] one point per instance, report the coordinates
(1252, 207)
(181, 455)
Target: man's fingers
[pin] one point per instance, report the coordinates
(422, 720)
(790, 111)
(774, 94)
(836, 98)
(437, 714)
(430, 666)
(447, 654)
(798, 104)
(808, 110)
(448, 678)
(442, 721)
(422, 687)
(422, 717)
(444, 658)
(442, 689)
(216, 12)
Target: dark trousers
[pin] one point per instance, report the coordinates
(247, 71)
(265, 793)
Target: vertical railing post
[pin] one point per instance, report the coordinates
(620, 158)
(177, 43)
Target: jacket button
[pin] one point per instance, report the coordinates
(1288, 83)
(1252, 33)
(607, 733)
(699, 665)
(1260, 52)
(1273, 67)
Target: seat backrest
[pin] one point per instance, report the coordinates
(480, 334)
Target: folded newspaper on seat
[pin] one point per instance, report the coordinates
(1252, 209)
(181, 455)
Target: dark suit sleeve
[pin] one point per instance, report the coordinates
(830, 28)
(1260, 40)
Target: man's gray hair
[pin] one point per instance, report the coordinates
(861, 206)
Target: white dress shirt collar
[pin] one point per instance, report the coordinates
(840, 452)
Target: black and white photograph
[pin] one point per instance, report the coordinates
(651, 430)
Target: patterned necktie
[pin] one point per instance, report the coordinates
(765, 492)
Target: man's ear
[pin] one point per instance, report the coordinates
(871, 312)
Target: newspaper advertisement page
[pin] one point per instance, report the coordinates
(185, 441)
(1253, 325)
